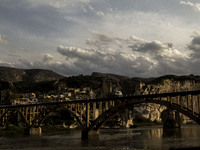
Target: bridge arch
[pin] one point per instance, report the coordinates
(41, 118)
(96, 124)
(5, 119)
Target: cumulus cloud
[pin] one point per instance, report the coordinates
(133, 56)
(89, 60)
(195, 6)
(47, 58)
(3, 39)
(155, 48)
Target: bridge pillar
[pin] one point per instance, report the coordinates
(171, 119)
(34, 131)
(92, 134)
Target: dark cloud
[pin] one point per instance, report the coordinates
(195, 44)
(40, 20)
(151, 46)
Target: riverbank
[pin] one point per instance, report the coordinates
(15, 130)
(10, 130)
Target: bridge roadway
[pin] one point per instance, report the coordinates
(91, 114)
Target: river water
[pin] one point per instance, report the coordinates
(115, 139)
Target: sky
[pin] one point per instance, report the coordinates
(135, 38)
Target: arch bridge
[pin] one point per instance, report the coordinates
(91, 114)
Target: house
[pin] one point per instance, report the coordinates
(21, 101)
(76, 90)
(118, 93)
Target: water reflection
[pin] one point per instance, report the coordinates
(116, 139)
(172, 133)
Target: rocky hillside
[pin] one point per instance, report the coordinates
(171, 83)
(30, 75)
(164, 84)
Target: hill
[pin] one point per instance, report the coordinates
(27, 75)
(108, 75)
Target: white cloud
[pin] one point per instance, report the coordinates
(98, 13)
(57, 4)
(155, 48)
(195, 6)
(47, 58)
(187, 3)
(91, 8)
(133, 56)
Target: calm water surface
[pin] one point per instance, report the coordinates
(117, 139)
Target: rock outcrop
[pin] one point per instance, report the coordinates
(165, 84)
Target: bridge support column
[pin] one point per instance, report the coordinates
(34, 131)
(171, 119)
(92, 134)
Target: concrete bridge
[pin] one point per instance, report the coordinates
(91, 114)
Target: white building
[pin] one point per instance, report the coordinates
(118, 93)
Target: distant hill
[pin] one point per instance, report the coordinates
(27, 75)
(108, 75)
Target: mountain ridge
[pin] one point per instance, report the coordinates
(10, 74)
(27, 75)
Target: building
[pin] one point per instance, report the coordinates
(118, 93)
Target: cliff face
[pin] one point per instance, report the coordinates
(170, 85)
(164, 85)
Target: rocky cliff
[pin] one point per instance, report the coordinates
(136, 86)
(163, 85)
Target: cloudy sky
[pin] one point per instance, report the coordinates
(142, 38)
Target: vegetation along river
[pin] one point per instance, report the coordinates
(153, 137)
